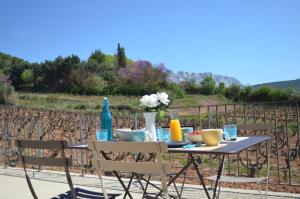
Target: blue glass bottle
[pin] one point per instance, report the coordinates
(106, 121)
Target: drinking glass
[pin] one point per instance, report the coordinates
(101, 134)
(186, 130)
(163, 134)
(138, 135)
(230, 132)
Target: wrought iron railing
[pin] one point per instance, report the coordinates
(76, 127)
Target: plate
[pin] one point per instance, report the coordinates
(177, 144)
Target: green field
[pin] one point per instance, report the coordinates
(93, 103)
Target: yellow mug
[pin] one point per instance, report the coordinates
(211, 137)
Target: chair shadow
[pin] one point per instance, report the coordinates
(82, 193)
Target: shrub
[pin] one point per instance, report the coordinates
(6, 94)
(81, 106)
(175, 90)
(98, 107)
(233, 92)
(6, 90)
(52, 98)
(208, 86)
(246, 93)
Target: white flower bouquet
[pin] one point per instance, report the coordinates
(155, 102)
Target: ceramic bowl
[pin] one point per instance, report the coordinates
(211, 137)
(130, 135)
(194, 138)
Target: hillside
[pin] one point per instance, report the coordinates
(292, 84)
(8, 60)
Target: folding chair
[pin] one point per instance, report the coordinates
(137, 166)
(63, 161)
(242, 179)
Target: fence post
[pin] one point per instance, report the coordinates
(209, 116)
(81, 141)
(298, 129)
(4, 140)
(39, 138)
(288, 144)
(199, 109)
(135, 120)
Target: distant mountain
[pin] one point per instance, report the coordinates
(198, 77)
(292, 84)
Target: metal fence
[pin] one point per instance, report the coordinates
(76, 127)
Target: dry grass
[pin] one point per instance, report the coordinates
(93, 103)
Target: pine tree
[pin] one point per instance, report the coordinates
(121, 57)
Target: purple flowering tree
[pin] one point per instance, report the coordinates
(141, 77)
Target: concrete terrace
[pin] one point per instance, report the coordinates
(50, 184)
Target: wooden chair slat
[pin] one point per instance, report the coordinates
(59, 162)
(129, 147)
(255, 127)
(133, 167)
(139, 166)
(37, 144)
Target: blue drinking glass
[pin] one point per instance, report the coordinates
(138, 135)
(230, 132)
(163, 134)
(101, 134)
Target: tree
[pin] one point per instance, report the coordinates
(190, 86)
(96, 57)
(27, 77)
(233, 92)
(246, 94)
(56, 73)
(121, 57)
(221, 88)
(208, 85)
(85, 82)
(140, 78)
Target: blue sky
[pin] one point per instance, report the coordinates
(255, 41)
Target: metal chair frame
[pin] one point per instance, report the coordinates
(137, 167)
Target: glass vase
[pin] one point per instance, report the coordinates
(150, 131)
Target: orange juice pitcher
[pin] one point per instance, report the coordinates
(176, 134)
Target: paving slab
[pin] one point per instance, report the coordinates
(49, 184)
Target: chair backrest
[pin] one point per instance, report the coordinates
(32, 159)
(46, 161)
(157, 167)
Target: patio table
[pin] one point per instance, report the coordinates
(224, 148)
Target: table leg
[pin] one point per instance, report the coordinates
(199, 175)
(191, 161)
(176, 176)
(219, 175)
